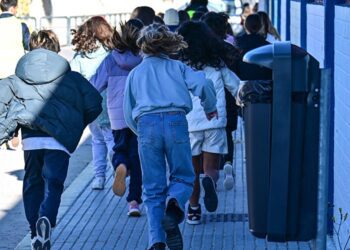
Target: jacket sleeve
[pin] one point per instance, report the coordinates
(100, 79)
(231, 81)
(129, 104)
(92, 99)
(201, 87)
(8, 122)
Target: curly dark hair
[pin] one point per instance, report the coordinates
(127, 37)
(94, 30)
(204, 47)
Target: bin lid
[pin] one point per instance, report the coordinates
(262, 56)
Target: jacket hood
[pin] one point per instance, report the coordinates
(41, 66)
(126, 60)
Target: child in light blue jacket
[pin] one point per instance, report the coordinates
(156, 102)
(93, 42)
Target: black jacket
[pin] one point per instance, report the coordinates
(248, 71)
(48, 98)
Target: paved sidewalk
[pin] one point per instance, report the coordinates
(97, 219)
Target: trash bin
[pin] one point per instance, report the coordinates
(281, 124)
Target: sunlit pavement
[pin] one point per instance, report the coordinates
(98, 219)
(13, 224)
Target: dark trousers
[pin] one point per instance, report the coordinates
(126, 152)
(45, 173)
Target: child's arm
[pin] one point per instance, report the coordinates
(201, 87)
(129, 104)
(8, 119)
(100, 79)
(231, 81)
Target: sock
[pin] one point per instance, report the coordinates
(195, 207)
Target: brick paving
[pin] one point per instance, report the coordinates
(98, 219)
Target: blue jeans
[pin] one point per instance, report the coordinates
(126, 152)
(164, 136)
(102, 147)
(45, 173)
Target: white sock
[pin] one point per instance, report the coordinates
(195, 208)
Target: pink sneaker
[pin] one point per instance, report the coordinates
(134, 209)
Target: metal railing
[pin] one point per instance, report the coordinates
(62, 25)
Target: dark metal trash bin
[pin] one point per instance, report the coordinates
(281, 124)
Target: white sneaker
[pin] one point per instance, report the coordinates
(98, 183)
(229, 176)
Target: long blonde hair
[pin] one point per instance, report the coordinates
(157, 39)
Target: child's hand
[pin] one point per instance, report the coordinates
(211, 115)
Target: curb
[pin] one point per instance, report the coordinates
(69, 196)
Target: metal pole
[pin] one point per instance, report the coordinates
(321, 238)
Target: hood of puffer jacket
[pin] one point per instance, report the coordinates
(41, 66)
(126, 60)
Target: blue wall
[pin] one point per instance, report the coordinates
(324, 32)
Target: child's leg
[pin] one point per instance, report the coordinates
(211, 163)
(179, 156)
(120, 160)
(229, 156)
(54, 172)
(99, 150)
(135, 186)
(33, 186)
(109, 141)
(151, 150)
(194, 199)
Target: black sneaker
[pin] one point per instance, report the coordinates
(194, 215)
(43, 234)
(210, 196)
(158, 246)
(173, 216)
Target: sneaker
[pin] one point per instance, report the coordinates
(229, 180)
(36, 244)
(194, 215)
(173, 216)
(134, 209)
(43, 234)
(98, 183)
(210, 196)
(158, 246)
(119, 186)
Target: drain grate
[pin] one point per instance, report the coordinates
(229, 217)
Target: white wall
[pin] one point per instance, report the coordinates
(342, 112)
(315, 32)
(295, 22)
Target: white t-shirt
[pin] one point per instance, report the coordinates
(36, 143)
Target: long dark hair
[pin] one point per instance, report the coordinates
(204, 47)
(94, 30)
(126, 39)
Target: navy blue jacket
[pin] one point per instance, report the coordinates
(48, 98)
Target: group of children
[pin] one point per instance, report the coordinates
(166, 100)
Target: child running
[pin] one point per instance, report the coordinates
(112, 75)
(208, 138)
(93, 42)
(52, 105)
(156, 102)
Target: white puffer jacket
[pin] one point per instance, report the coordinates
(197, 119)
